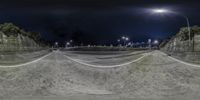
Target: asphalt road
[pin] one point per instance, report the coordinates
(129, 75)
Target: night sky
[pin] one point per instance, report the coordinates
(99, 21)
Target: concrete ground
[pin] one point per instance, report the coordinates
(20, 58)
(69, 76)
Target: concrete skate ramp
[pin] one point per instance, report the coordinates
(155, 77)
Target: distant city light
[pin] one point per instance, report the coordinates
(143, 43)
(149, 41)
(56, 43)
(129, 43)
(68, 43)
(126, 38)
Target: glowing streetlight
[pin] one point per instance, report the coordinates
(160, 10)
(68, 43)
(149, 43)
(126, 38)
(156, 42)
(56, 43)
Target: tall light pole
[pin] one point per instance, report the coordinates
(149, 42)
(125, 39)
(187, 19)
(188, 25)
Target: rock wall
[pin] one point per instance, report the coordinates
(183, 51)
(197, 43)
(177, 45)
(16, 43)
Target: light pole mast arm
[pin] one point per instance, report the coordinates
(188, 27)
(189, 32)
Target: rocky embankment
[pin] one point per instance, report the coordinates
(180, 47)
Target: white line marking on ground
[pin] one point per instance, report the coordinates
(104, 66)
(186, 63)
(27, 63)
(87, 61)
(180, 61)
